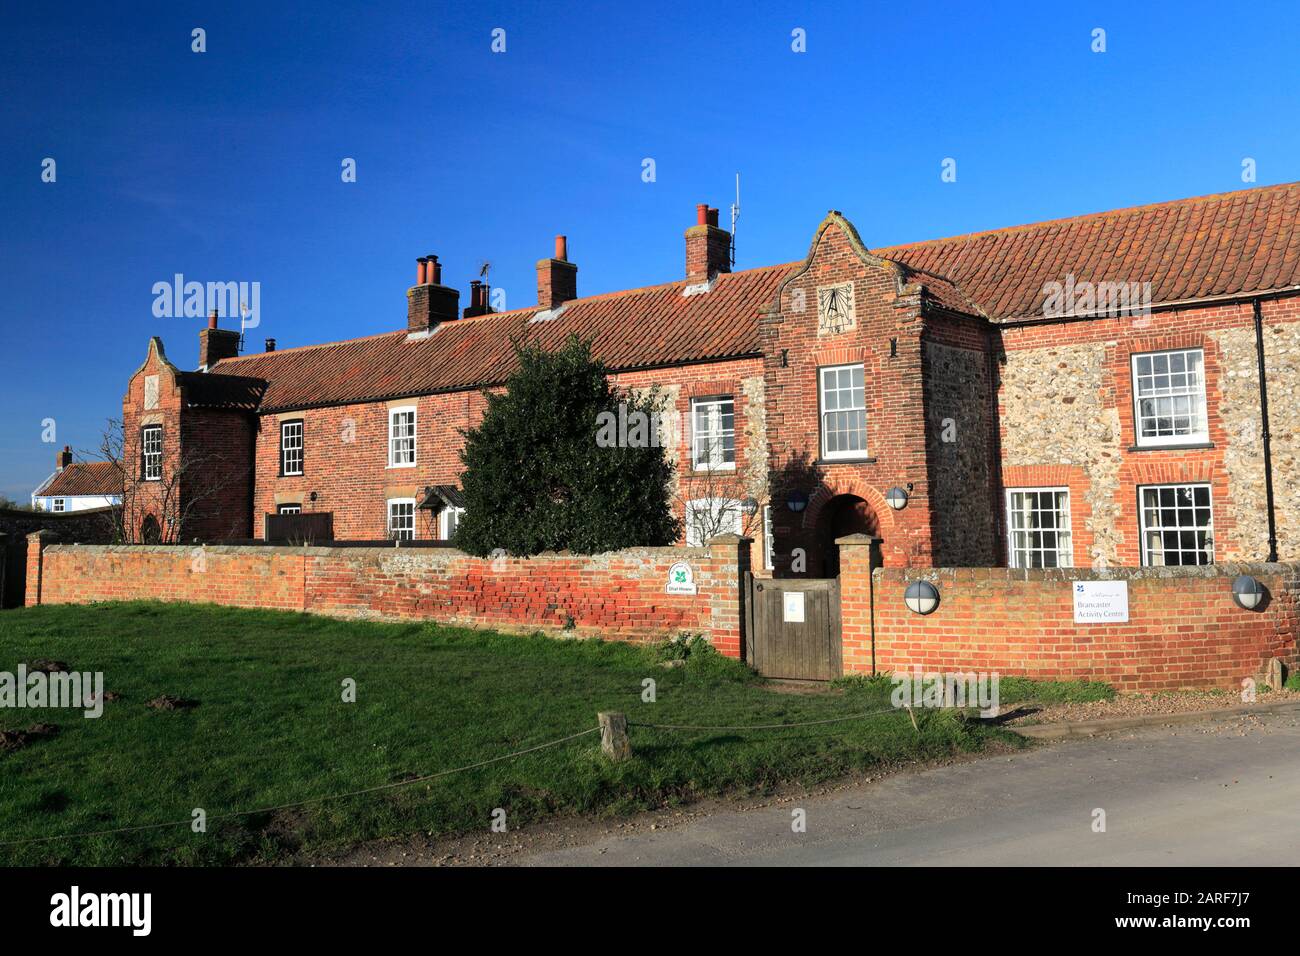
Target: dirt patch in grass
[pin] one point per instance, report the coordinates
(44, 665)
(11, 740)
(171, 702)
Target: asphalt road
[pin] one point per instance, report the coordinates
(1214, 793)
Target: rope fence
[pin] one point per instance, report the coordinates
(308, 802)
(612, 727)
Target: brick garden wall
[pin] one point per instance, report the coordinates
(619, 595)
(1184, 629)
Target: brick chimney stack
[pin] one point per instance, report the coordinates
(708, 247)
(429, 302)
(63, 458)
(216, 343)
(557, 278)
(478, 299)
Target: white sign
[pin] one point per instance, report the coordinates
(793, 606)
(681, 579)
(1100, 602)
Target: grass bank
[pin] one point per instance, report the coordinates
(270, 727)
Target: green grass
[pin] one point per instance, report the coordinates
(271, 729)
(1011, 690)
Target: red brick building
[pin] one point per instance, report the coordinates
(1112, 389)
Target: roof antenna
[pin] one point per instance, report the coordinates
(735, 214)
(244, 313)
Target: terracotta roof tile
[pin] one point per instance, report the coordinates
(1225, 244)
(84, 478)
(641, 328)
(207, 390)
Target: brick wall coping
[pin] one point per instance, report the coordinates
(1049, 575)
(429, 553)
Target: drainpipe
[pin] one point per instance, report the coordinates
(1263, 420)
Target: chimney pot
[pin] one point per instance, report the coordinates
(64, 458)
(478, 299)
(429, 302)
(708, 247)
(216, 343)
(557, 278)
(270, 345)
(420, 273)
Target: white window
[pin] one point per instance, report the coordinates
(291, 448)
(1038, 528)
(289, 509)
(708, 517)
(843, 412)
(151, 453)
(1177, 524)
(58, 504)
(769, 545)
(401, 437)
(713, 434)
(449, 521)
(401, 519)
(1169, 397)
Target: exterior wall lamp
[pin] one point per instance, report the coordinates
(896, 498)
(796, 501)
(921, 597)
(1248, 592)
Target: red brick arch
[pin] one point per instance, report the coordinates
(833, 488)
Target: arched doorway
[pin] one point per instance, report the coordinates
(150, 531)
(842, 515)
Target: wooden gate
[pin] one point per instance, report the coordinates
(793, 627)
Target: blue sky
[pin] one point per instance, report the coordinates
(225, 165)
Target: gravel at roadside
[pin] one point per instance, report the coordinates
(1137, 705)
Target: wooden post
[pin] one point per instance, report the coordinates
(613, 736)
(1274, 675)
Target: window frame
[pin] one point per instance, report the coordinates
(388, 514)
(1143, 528)
(444, 518)
(1200, 437)
(769, 540)
(301, 449)
(289, 508)
(694, 503)
(58, 504)
(1068, 514)
(697, 464)
(822, 434)
(145, 454)
(414, 436)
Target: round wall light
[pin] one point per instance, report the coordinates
(896, 498)
(1247, 592)
(921, 597)
(796, 501)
